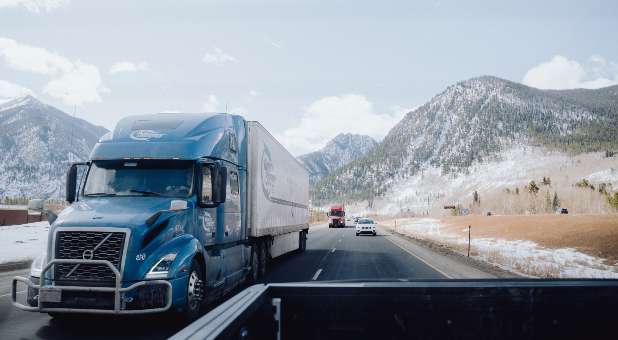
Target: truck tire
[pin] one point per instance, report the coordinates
(263, 257)
(254, 273)
(195, 292)
(302, 241)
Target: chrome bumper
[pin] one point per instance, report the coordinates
(117, 290)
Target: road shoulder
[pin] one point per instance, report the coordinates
(449, 263)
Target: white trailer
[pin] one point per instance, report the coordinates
(278, 196)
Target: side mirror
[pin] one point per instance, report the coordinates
(213, 185)
(219, 184)
(38, 205)
(71, 184)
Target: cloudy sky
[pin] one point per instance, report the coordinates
(306, 69)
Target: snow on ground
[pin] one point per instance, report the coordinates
(22, 242)
(520, 256)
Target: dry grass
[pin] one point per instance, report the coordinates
(595, 235)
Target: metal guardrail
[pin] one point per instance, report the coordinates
(117, 290)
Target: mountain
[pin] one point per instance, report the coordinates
(37, 143)
(475, 121)
(340, 151)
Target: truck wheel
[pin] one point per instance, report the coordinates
(262, 259)
(254, 274)
(302, 242)
(195, 292)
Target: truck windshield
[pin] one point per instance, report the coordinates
(336, 213)
(140, 178)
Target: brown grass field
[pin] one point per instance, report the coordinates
(596, 235)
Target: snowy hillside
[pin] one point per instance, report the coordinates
(340, 151)
(474, 122)
(37, 143)
(502, 185)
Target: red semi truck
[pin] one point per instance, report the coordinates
(336, 216)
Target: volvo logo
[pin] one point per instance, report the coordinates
(88, 254)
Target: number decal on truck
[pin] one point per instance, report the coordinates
(140, 257)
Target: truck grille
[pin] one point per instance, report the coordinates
(78, 245)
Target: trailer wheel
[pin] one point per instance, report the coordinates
(195, 292)
(302, 242)
(254, 274)
(262, 259)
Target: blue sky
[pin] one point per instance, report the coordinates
(305, 69)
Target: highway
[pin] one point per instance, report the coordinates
(332, 254)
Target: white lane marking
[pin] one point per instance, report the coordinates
(425, 262)
(20, 292)
(315, 276)
(339, 240)
(333, 250)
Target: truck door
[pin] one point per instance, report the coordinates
(234, 258)
(210, 224)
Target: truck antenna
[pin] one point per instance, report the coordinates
(72, 129)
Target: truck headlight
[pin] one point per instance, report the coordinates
(37, 265)
(162, 267)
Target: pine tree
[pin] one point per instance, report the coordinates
(555, 203)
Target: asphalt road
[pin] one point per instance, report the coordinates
(332, 254)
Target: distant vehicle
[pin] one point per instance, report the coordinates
(365, 226)
(175, 210)
(356, 218)
(336, 216)
(564, 211)
(349, 221)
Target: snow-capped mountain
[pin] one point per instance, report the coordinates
(476, 121)
(37, 143)
(340, 151)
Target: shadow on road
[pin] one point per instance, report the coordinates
(108, 327)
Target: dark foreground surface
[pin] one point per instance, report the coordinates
(332, 254)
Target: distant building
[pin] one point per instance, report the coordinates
(18, 214)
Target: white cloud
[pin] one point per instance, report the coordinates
(218, 57)
(32, 59)
(253, 93)
(329, 116)
(80, 85)
(275, 44)
(127, 66)
(240, 110)
(211, 104)
(36, 6)
(73, 82)
(9, 90)
(562, 73)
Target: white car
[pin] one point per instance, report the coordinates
(365, 226)
(349, 221)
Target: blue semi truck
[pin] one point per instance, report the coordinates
(170, 212)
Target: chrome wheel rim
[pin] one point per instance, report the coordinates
(193, 291)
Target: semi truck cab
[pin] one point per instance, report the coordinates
(169, 212)
(336, 216)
